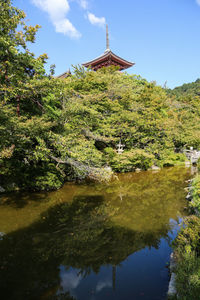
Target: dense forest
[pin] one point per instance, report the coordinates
(53, 130)
(188, 89)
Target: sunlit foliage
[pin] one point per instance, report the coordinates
(54, 130)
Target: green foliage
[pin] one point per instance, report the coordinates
(187, 89)
(185, 102)
(130, 160)
(188, 238)
(46, 177)
(75, 124)
(82, 118)
(169, 158)
(195, 191)
(198, 164)
(17, 63)
(187, 251)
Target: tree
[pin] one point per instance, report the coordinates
(17, 64)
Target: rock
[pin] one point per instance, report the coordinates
(102, 174)
(155, 168)
(189, 196)
(2, 190)
(137, 170)
(12, 187)
(187, 163)
(189, 180)
(1, 235)
(172, 283)
(172, 286)
(172, 265)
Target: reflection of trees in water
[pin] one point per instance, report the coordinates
(149, 201)
(79, 235)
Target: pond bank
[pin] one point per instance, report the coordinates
(103, 175)
(187, 250)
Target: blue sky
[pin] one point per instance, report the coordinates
(161, 36)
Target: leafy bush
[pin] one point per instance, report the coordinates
(195, 203)
(187, 252)
(171, 159)
(131, 160)
(46, 178)
(198, 164)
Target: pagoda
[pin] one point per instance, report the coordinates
(65, 74)
(108, 58)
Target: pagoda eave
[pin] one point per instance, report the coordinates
(108, 59)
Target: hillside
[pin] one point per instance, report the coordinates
(192, 89)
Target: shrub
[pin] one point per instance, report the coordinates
(172, 159)
(195, 203)
(187, 253)
(131, 160)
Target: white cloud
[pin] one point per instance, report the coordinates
(198, 2)
(95, 20)
(69, 280)
(57, 11)
(83, 3)
(102, 284)
(66, 27)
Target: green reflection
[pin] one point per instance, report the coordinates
(103, 225)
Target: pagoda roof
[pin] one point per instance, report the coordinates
(108, 58)
(65, 74)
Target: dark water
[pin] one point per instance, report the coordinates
(92, 242)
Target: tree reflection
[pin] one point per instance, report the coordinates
(79, 235)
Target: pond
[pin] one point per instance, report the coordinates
(92, 241)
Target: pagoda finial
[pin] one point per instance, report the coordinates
(107, 38)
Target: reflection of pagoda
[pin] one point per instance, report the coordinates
(108, 58)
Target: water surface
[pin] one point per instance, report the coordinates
(92, 241)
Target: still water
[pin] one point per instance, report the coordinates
(92, 241)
